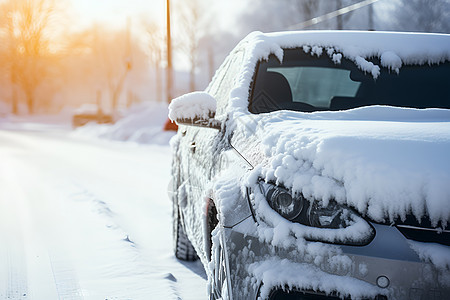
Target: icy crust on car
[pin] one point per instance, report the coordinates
(436, 254)
(289, 260)
(283, 274)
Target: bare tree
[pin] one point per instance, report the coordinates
(191, 15)
(423, 15)
(155, 47)
(305, 9)
(100, 59)
(260, 14)
(113, 55)
(341, 19)
(9, 51)
(27, 24)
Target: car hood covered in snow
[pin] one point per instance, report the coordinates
(385, 162)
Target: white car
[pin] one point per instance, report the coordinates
(316, 165)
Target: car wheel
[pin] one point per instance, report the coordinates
(218, 282)
(183, 248)
(211, 223)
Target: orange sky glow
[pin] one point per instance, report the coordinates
(116, 12)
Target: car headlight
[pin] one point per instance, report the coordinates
(333, 216)
(297, 209)
(282, 202)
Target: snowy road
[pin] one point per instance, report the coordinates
(87, 219)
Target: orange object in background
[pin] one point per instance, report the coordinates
(170, 125)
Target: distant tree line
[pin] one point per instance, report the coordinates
(45, 66)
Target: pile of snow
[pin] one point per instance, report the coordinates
(141, 124)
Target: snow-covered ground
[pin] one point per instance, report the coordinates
(89, 218)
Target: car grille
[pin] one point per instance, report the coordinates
(423, 231)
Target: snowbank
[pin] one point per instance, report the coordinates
(142, 124)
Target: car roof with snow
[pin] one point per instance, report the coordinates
(410, 48)
(393, 49)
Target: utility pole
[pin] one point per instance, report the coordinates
(211, 62)
(371, 26)
(13, 72)
(128, 55)
(169, 56)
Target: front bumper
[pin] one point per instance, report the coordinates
(386, 267)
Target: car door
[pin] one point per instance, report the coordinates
(201, 153)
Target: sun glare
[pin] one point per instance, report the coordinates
(115, 12)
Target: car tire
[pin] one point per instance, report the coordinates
(183, 248)
(211, 223)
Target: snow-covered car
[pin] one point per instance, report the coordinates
(316, 166)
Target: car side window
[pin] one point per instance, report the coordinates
(224, 82)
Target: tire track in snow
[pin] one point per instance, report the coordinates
(172, 281)
(15, 283)
(33, 273)
(117, 260)
(150, 269)
(13, 271)
(65, 277)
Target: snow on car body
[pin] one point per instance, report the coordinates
(326, 162)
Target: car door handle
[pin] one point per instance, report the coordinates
(192, 146)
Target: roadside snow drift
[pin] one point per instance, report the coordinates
(142, 124)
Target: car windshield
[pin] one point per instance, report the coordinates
(308, 83)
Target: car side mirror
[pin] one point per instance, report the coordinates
(194, 109)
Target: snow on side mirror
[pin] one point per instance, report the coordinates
(195, 109)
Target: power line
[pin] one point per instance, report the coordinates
(331, 15)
